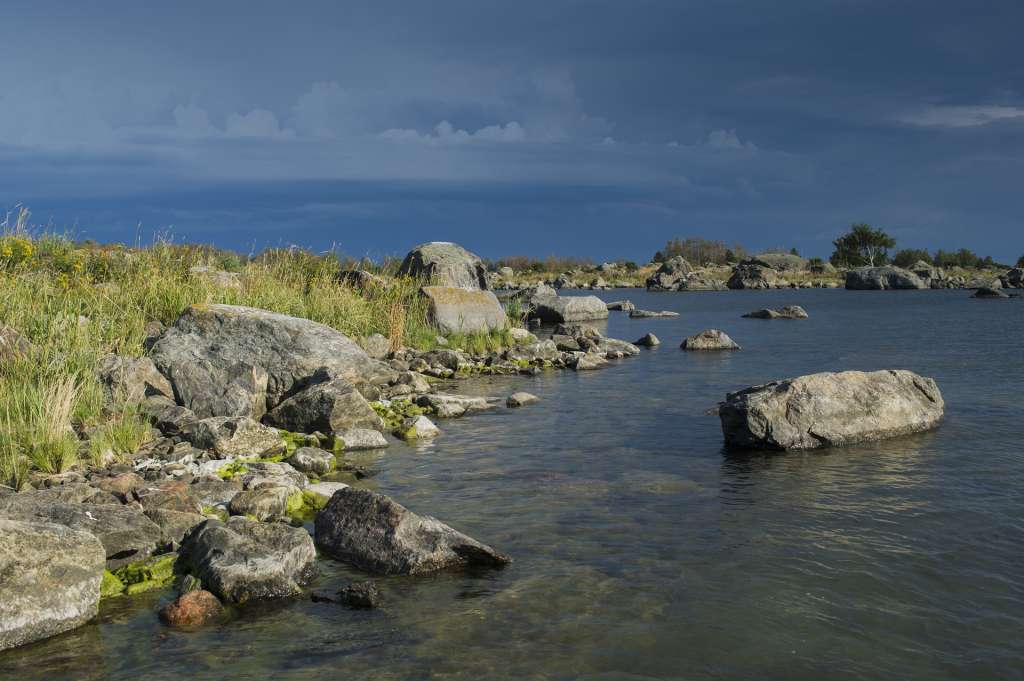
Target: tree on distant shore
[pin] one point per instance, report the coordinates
(1020, 261)
(699, 251)
(910, 256)
(862, 245)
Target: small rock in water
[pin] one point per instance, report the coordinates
(362, 596)
(649, 340)
(787, 312)
(709, 339)
(642, 314)
(622, 306)
(191, 609)
(520, 399)
(986, 292)
(417, 428)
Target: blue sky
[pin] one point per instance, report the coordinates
(592, 128)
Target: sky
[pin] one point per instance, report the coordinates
(594, 128)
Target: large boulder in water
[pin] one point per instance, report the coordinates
(376, 533)
(49, 580)
(830, 409)
(668, 276)
(244, 560)
(445, 264)
(882, 278)
(709, 339)
(565, 309)
(752, 274)
(460, 310)
(289, 349)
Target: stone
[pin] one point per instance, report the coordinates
(588, 362)
(291, 350)
(621, 306)
(312, 461)
(986, 292)
(235, 436)
(122, 486)
(376, 346)
(191, 610)
(563, 309)
(641, 314)
(544, 350)
(218, 278)
(520, 335)
(262, 504)
(238, 389)
(669, 274)
(168, 417)
(272, 474)
(356, 439)
(244, 560)
(327, 406)
(830, 409)
(520, 399)
(709, 339)
(882, 278)
(170, 495)
(782, 262)
(752, 274)
(697, 282)
(127, 380)
(361, 279)
(215, 492)
(375, 533)
(417, 428)
(174, 524)
(452, 406)
(787, 312)
(445, 264)
(361, 596)
(1013, 278)
(50, 579)
(13, 344)
(323, 491)
(458, 310)
(648, 340)
(125, 533)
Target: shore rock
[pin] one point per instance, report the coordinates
(417, 428)
(50, 579)
(453, 406)
(644, 314)
(709, 339)
(289, 349)
(263, 504)
(375, 533)
(986, 292)
(445, 264)
(563, 309)
(882, 278)
(621, 306)
(356, 439)
(649, 340)
(234, 436)
(312, 461)
(244, 560)
(12, 343)
(329, 405)
(459, 310)
(830, 409)
(1013, 278)
(752, 274)
(782, 262)
(787, 312)
(668, 276)
(130, 379)
(520, 399)
(192, 609)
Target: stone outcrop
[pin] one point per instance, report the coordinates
(830, 409)
(49, 580)
(328, 405)
(882, 278)
(787, 312)
(1013, 278)
(130, 379)
(562, 309)
(752, 274)
(222, 338)
(668, 276)
(709, 339)
(460, 310)
(234, 436)
(443, 263)
(244, 560)
(781, 262)
(375, 533)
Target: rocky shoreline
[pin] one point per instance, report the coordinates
(254, 414)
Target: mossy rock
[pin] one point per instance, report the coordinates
(153, 573)
(110, 585)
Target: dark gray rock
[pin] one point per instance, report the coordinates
(882, 278)
(1013, 278)
(445, 264)
(986, 292)
(361, 596)
(174, 524)
(290, 349)
(752, 274)
(459, 310)
(49, 580)
(209, 389)
(830, 409)
(130, 379)
(263, 504)
(376, 533)
(243, 560)
(361, 279)
(329, 406)
(167, 416)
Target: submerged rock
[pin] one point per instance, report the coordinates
(641, 314)
(831, 409)
(520, 399)
(361, 596)
(445, 264)
(787, 312)
(709, 339)
(882, 278)
(192, 609)
(376, 533)
(417, 428)
(459, 310)
(50, 579)
(244, 560)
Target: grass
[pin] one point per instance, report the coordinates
(76, 302)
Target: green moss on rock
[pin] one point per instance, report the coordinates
(153, 573)
(111, 585)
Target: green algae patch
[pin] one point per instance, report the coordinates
(153, 573)
(396, 411)
(110, 585)
(230, 470)
(303, 505)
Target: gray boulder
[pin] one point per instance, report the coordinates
(621, 306)
(445, 264)
(376, 533)
(130, 379)
(530, 352)
(830, 409)
(273, 474)
(234, 436)
(289, 349)
(644, 314)
(208, 389)
(668, 276)
(562, 309)
(12, 343)
(328, 406)
(648, 340)
(1013, 278)
(787, 312)
(361, 279)
(452, 406)
(520, 399)
(697, 282)
(882, 278)
(709, 339)
(243, 560)
(356, 439)
(376, 346)
(263, 504)
(312, 461)
(49, 580)
(460, 310)
(752, 274)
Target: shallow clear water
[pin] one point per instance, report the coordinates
(644, 551)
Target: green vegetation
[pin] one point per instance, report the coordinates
(699, 252)
(1020, 261)
(862, 245)
(146, 575)
(396, 411)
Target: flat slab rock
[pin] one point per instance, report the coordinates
(375, 533)
(49, 580)
(831, 409)
(787, 312)
(459, 310)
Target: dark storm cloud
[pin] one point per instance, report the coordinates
(594, 127)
